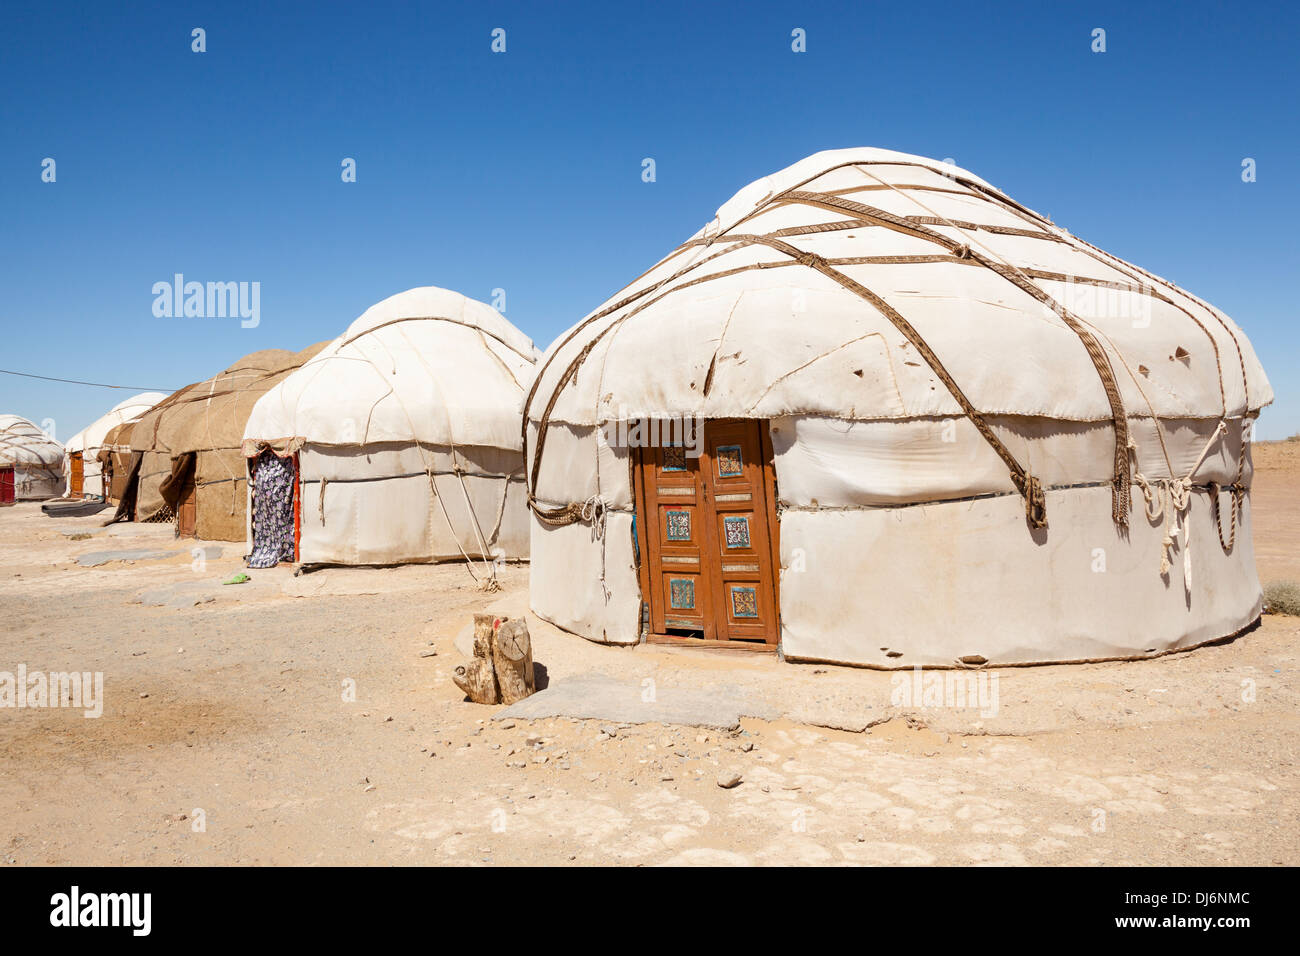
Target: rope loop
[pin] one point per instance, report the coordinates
(593, 510)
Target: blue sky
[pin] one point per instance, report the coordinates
(522, 170)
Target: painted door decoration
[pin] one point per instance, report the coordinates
(709, 529)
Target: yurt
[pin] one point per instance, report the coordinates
(877, 412)
(82, 467)
(398, 442)
(186, 465)
(31, 462)
(115, 460)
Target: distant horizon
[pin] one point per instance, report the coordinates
(518, 175)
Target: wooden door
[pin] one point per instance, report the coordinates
(741, 571)
(6, 485)
(187, 509)
(78, 473)
(677, 521)
(709, 536)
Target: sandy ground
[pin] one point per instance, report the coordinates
(226, 735)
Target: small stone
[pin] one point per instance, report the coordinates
(609, 731)
(747, 746)
(429, 653)
(143, 696)
(541, 758)
(862, 838)
(508, 725)
(729, 779)
(369, 788)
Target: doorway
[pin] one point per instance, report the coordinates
(6, 486)
(275, 510)
(76, 474)
(707, 533)
(187, 508)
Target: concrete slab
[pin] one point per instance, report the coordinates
(94, 559)
(598, 697)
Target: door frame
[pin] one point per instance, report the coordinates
(637, 467)
(250, 472)
(297, 509)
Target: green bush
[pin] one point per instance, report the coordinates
(1282, 597)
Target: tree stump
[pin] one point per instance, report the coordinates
(502, 668)
(512, 657)
(478, 678)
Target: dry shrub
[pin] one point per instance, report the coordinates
(1282, 597)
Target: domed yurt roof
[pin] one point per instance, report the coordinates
(211, 414)
(24, 445)
(93, 435)
(427, 364)
(813, 289)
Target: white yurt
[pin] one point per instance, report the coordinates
(30, 462)
(82, 449)
(877, 412)
(398, 442)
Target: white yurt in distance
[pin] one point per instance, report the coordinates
(81, 465)
(915, 423)
(30, 462)
(401, 440)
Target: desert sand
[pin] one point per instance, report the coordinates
(313, 720)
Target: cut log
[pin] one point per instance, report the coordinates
(478, 680)
(512, 659)
(502, 668)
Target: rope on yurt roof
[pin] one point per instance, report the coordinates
(1176, 490)
(1135, 272)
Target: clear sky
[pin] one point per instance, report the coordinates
(522, 170)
